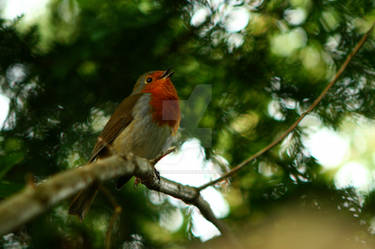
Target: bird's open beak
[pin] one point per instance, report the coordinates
(167, 74)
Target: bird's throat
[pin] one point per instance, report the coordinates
(164, 106)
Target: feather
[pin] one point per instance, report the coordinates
(120, 119)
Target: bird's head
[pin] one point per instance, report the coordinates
(164, 98)
(153, 80)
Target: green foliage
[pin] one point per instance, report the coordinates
(63, 79)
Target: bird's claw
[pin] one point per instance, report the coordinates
(157, 174)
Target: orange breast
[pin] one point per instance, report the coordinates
(165, 106)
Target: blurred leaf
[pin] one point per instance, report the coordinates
(9, 188)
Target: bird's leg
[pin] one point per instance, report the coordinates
(157, 173)
(156, 160)
(139, 180)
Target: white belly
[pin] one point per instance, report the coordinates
(143, 137)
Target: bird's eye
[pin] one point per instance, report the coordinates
(149, 79)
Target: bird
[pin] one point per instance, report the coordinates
(145, 124)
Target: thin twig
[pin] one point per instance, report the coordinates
(117, 209)
(295, 124)
(189, 195)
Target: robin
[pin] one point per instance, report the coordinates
(145, 124)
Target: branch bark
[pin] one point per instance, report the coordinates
(36, 199)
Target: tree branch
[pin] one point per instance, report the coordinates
(300, 118)
(36, 199)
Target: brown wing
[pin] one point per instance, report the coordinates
(118, 121)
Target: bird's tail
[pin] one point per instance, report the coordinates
(83, 200)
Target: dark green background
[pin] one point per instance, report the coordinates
(86, 60)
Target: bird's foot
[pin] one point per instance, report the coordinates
(138, 180)
(156, 160)
(157, 173)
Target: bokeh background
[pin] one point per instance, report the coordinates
(244, 70)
